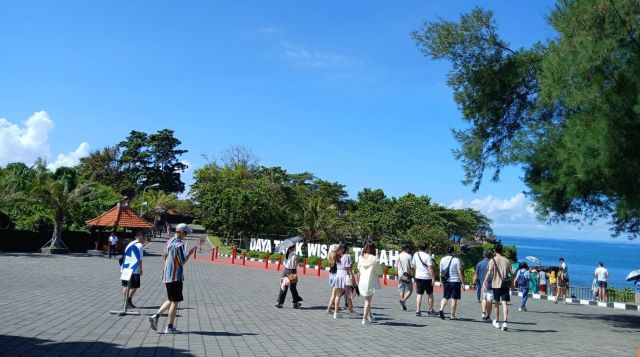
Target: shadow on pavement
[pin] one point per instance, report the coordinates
(32, 255)
(17, 345)
(524, 330)
(221, 333)
(400, 324)
(619, 321)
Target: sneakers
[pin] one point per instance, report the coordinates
(504, 326)
(441, 314)
(337, 315)
(484, 316)
(366, 322)
(296, 305)
(172, 330)
(371, 318)
(433, 312)
(496, 324)
(404, 306)
(153, 322)
(519, 309)
(279, 306)
(418, 313)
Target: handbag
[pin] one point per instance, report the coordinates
(293, 278)
(444, 274)
(406, 276)
(348, 280)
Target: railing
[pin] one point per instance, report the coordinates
(614, 295)
(580, 292)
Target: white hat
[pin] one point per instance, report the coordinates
(182, 227)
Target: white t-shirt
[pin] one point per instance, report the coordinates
(601, 273)
(453, 269)
(113, 240)
(542, 278)
(404, 263)
(564, 266)
(422, 272)
(130, 255)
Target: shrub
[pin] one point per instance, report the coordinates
(313, 260)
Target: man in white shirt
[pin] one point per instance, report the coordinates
(113, 241)
(133, 257)
(404, 266)
(450, 265)
(565, 268)
(602, 275)
(424, 278)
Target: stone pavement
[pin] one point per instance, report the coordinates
(59, 306)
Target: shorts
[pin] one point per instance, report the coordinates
(424, 285)
(602, 284)
(135, 281)
(501, 294)
(452, 290)
(174, 291)
(487, 295)
(403, 287)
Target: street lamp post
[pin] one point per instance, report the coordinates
(143, 192)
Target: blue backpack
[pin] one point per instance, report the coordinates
(521, 280)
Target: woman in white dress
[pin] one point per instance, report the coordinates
(370, 273)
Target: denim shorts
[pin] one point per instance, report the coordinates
(402, 286)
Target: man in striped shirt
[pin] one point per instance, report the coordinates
(173, 275)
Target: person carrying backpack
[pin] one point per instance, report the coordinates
(522, 281)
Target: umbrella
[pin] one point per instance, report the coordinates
(287, 243)
(533, 259)
(634, 275)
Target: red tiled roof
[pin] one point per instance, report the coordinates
(119, 216)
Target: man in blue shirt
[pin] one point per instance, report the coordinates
(485, 296)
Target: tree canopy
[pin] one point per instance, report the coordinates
(566, 110)
(235, 198)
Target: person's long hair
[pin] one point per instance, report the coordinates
(369, 248)
(342, 250)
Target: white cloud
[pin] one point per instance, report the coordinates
(314, 59)
(516, 216)
(29, 141)
(268, 29)
(70, 159)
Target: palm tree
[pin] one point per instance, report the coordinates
(315, 215)
(57, 194)
(158, 203)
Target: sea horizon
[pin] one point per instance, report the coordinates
(582, 256)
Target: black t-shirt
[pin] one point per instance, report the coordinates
(333, 269)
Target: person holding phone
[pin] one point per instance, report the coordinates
(173, 274)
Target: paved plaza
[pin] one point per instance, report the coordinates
(59, 305)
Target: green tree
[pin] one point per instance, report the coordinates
(58, 192)
(567, 111)
(145, 160)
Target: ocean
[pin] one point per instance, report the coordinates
(619, 255)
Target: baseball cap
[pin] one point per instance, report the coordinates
(182, 227)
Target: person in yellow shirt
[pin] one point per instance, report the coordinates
(553, 282)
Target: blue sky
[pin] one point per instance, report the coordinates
(337, 89)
